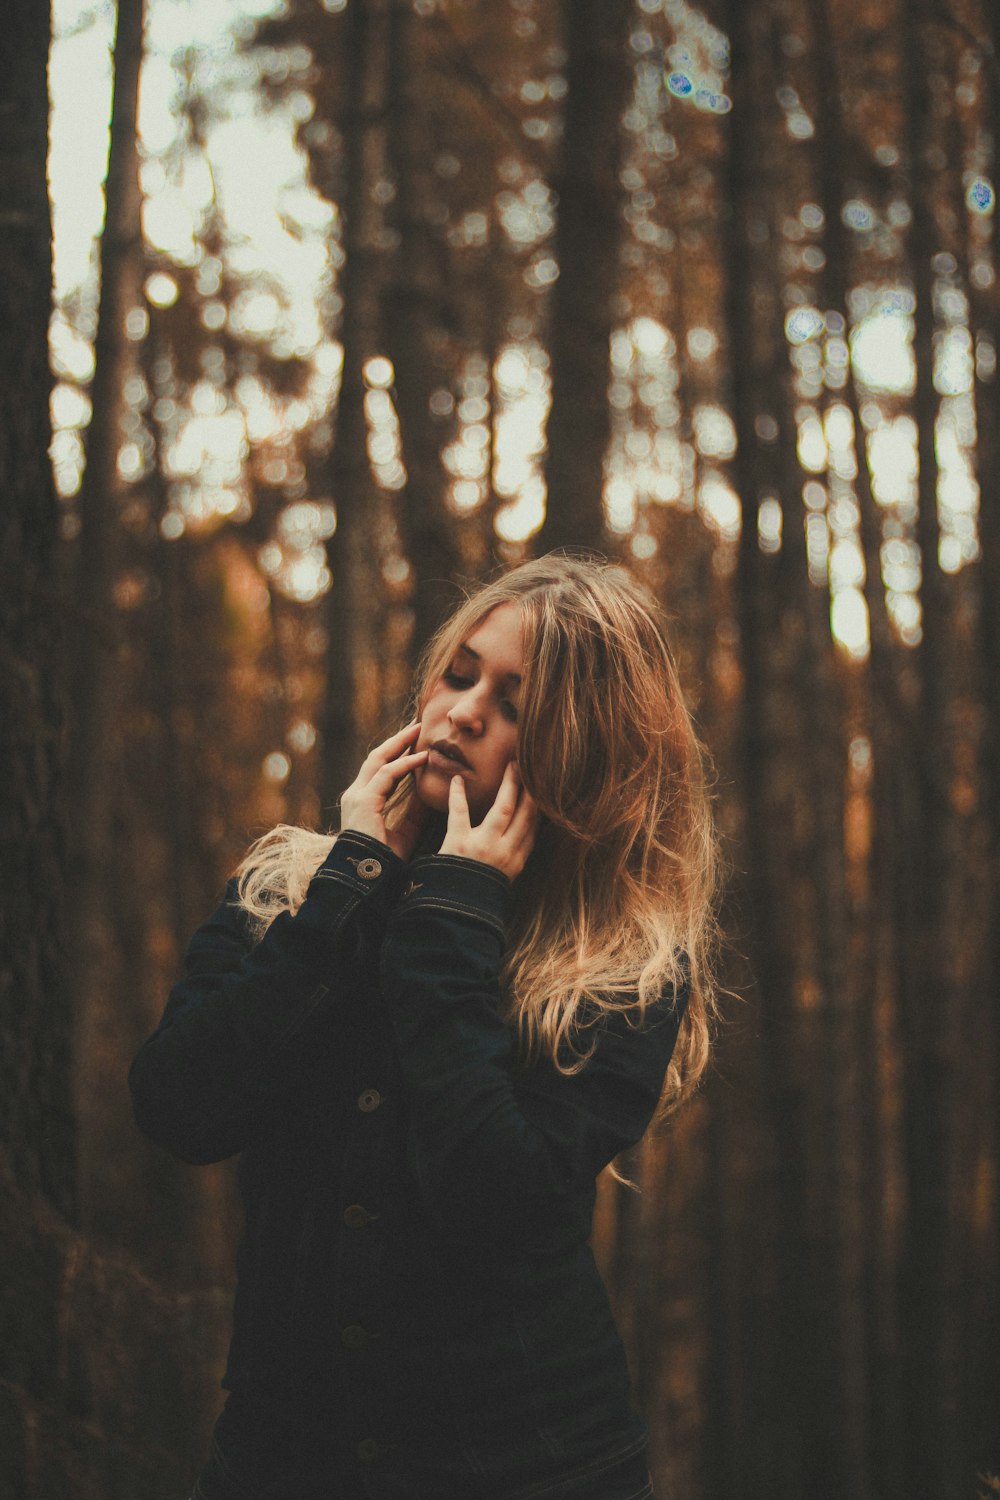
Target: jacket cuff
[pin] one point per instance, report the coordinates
(453, 882)
(362, 863)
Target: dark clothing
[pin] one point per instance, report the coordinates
(417, 1298)
(618, 1475)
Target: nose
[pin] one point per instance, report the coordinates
(466, 712)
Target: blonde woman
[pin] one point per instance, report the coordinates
(427, 1035)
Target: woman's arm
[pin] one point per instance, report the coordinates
(238, 1025)
(498, 1156)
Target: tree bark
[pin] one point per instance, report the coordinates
(790, 1384)
(410, 309)
(755, 748)
(96, 662)
(587, 246)
(986, 329)
(351, 602)
(930, 1296)
(36, 1124)
(867, 1305)
(794, 760)
(887, 731)
(96, 549)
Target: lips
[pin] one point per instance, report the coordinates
(451, 752)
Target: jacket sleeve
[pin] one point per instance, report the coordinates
(497, 1151)
(238, 1024)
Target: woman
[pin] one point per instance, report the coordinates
(427, 1035)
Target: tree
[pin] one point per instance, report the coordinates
(353, 550)
(36, 1123)
(96, 549)
(586, 251)
(931, 1284)
(412, 302)
(93, 664)
(986, 310)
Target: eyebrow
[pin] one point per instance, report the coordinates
(507, 676)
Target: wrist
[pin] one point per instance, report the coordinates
(373, 844)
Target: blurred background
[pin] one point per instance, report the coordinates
(346, 304)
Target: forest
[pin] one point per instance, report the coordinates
(359, 302)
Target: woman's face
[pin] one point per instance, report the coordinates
(472, 708)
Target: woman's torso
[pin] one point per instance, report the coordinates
(364, 1336)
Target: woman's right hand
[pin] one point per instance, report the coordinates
(362, 805)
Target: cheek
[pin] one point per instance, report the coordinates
(506, 751)
(435, 706)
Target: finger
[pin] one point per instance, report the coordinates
(524, 797)
(507, 790)
(458, 805)
(392, 746)
(388, 751)
(524, 822)
(384, 776)
(401, 763)
(505, 802)
(520, 782)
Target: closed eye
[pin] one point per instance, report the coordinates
(455, 680)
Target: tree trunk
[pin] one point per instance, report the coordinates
(96, 661)
(350, 604)
(887, 734)
(157, 893)
(931, 1279)
(868, 1332)
(755, 749)
(93, 666)
(986, 329)
(587, 246)
(410, 309)
(793, 770)
(36, 1123)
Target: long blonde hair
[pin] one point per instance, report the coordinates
(619, 896)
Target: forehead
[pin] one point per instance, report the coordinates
(496, 640)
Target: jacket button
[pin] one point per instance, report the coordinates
(369, 869)
(354, 1336)
(368, 1100)
(367, 1451)
(356, 1217)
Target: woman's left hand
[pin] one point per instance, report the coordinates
(505, 837)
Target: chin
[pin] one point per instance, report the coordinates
(433, 792)
(433, 796)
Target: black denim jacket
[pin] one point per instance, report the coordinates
(415, 1280)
